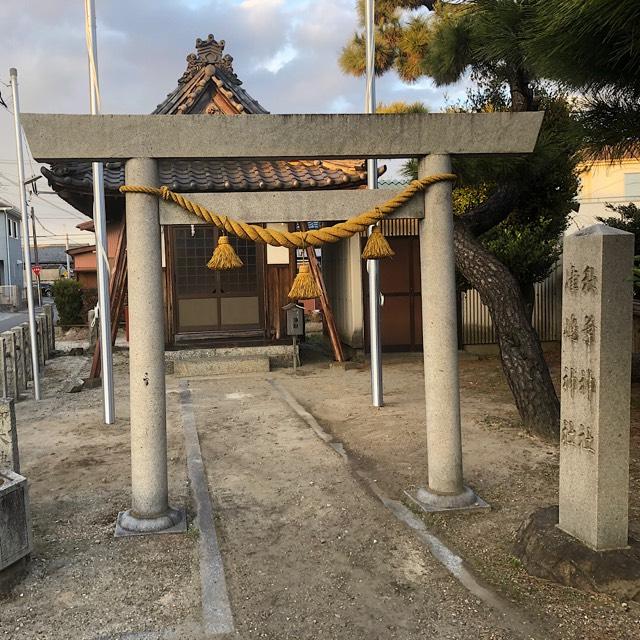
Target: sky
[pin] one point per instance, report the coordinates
(285, 52)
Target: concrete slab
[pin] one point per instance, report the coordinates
(285, 206)
(478, 503)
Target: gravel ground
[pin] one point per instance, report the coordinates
(82, 582)
(514, 472)
(309, 552)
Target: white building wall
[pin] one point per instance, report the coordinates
(602, 183)
(341, 268)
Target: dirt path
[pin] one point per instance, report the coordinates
(308, 552)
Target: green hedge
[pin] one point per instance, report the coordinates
(67, 294)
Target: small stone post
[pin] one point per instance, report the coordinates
(48, 310)
(4, 381)
(40, 343)
(9, 455)
(20, 359)
(46, 338)
(12, 365)
(150, 511)
(26, 341)
(440, 339)
(596, 386)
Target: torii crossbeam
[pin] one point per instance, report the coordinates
(141, 140)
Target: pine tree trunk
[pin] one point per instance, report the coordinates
(522, 358)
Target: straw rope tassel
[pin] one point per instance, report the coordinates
(224, 257)
(304, 286)
(377, 246)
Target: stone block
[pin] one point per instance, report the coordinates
(15, 520)
(9, 454)
(221, 366)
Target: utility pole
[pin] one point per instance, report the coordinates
(26, 249)
(35, 255)
(373, 266)
(100, 224)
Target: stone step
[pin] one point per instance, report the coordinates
(220, 366)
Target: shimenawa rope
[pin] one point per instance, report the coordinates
(294, 239)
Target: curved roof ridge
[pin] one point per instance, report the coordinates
(208, 64)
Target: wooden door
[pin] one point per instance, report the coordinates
(401, 313)
(218, 303)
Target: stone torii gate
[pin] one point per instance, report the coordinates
(141, 140)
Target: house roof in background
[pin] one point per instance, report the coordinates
(87, 248)
(52, 254)
(13, 210)
(209, 85)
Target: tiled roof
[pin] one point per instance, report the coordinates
(209, 85)
(220, 175)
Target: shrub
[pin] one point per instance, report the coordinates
(67, 294)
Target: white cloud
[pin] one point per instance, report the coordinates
(286, 52)
(281, 58)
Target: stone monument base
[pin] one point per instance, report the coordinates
(549, 553)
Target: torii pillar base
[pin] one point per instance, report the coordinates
(128, 524)
(431, 502)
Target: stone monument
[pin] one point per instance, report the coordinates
(596, 386)
(584, 543)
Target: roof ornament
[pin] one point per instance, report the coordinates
(209, 52)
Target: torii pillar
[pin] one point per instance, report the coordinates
(445, 490)
(150, 511)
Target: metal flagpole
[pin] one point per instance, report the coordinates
(26, 249)
(66, 248)
(100, 224)
(373, 266)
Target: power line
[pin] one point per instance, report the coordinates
(40, 197)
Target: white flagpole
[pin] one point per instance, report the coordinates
(26, 249)
(373, 266)
(100, 224)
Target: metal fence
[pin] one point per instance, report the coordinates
(477, 326)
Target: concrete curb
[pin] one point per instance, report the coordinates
(216, 609)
